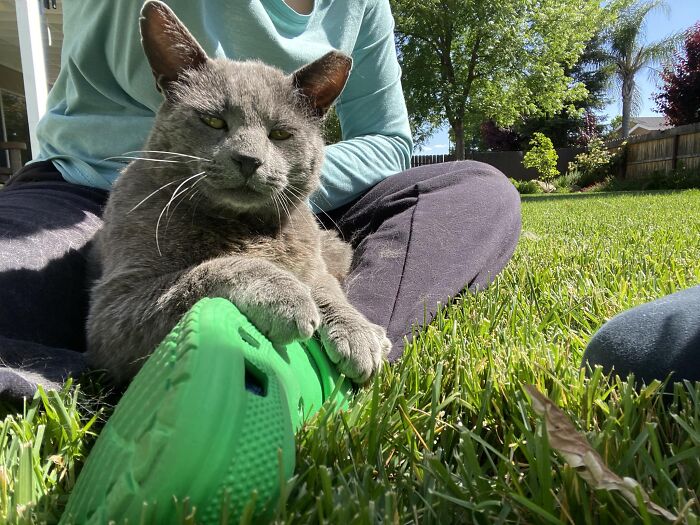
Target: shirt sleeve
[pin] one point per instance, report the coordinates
(372, 112)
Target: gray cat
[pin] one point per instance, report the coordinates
(217, 208)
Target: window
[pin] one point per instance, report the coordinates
(13, 123)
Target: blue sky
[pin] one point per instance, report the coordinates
(682, 14)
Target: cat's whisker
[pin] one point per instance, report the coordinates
(283, 203)
(284, 209)
(196, 203)
(298, 194)
(157, 167)
(128, 157)
(167, 206)
(304, 215)
(337, 228)
(302, 200)
(289, 202)
(174, 153)
(153, 193)
(295, 191)
(277, 208)
(182, 196)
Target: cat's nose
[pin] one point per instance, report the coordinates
(249, 165)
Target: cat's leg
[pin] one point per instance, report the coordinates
(130, 315)
(336, 253)
(352, 342)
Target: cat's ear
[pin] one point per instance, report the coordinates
(321, 81)
(169, 46)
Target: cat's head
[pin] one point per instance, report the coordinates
(255, 131)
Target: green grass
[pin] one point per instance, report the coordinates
(448, 434)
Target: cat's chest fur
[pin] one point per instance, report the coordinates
(294, 247)
(191, 237)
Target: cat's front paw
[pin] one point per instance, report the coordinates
(357, 346)
(288, 314)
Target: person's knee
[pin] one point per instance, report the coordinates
(481, 170)
(615, 346)
(490, 185)
(651, 341)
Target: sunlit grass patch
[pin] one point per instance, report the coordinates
(448, 434)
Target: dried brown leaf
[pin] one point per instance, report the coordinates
(565, 439)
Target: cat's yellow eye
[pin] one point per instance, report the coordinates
(279, 134)
(213, 122)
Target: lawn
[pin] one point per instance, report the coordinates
(449, 434)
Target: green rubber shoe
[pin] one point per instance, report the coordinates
(207, 419)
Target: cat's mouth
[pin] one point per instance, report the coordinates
(250, 188)
(243, 195)
(245, 192)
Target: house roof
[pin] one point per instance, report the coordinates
(649, 123)
(10, 62)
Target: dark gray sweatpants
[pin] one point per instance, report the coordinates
(420, 237)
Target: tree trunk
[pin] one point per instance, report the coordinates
(627, 91)
(458, 130)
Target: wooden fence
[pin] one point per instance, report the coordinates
(422, 160)
(662, 151)
(656, 152)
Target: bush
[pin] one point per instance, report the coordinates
(570, 181)
(593, 165)
(526, 187)
(542, 157)
(678, 179)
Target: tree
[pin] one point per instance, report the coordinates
(466, 62)
(679, 98)
(542, 157)
(630, 54)
(573, 126)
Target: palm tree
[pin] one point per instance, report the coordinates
(629, 53)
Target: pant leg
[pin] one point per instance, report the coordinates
(45, 227)
(652, 340)
(423, 236)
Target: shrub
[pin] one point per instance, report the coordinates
(593, 165)
(570, 181)
(678, 179)
(526, 187)
(542, 157)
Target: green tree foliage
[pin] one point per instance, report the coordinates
(542, 157)
(466, 62)
(679, 98)
(570, 126)
(630, 53)
(331, 127)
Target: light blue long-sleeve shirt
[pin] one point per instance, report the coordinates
(104, 100)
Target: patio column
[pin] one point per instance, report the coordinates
(31, 43)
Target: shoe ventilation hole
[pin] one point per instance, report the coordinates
(248, 338)
(255, 381)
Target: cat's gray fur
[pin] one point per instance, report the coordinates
(237, 230)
